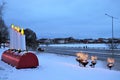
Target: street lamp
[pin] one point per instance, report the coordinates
(112, 32)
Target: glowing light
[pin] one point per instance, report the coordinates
(17, 38)
(15, 28)
(82, 56)
(82, 59)
(22, 31)
(110, 60)
(93, 58)
(12, 26)
(18, 29)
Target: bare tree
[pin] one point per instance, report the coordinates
(114, 46)
(2, 6)
(3, 27)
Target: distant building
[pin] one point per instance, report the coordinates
(59, 40)
(44, 41)
(88, 41)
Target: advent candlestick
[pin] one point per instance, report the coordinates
(16, 55)
(17, 38)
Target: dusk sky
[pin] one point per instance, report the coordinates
(65, 18)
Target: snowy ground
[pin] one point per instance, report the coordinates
(56, 67)
(95, 46)
(79, 45)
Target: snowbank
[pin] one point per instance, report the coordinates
(102, 46)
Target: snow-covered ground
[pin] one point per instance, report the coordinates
(102, 46)
(56, 67)
(79, 45)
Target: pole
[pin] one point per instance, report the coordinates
(112, 38)
(112, 45)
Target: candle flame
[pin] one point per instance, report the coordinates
(22, 31)
(18, 29)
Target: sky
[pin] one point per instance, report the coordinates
(65, 18)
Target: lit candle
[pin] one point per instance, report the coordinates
(17, 38)
(23, 41)
(11, 37)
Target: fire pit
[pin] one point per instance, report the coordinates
(93, 61)
(110, 63)
(82, 59)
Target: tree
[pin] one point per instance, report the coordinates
(113, 46)
(31, 39)
(2, 6)
(3, 27)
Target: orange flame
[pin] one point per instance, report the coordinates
(93, 58)
(110, 60)
(82, 56)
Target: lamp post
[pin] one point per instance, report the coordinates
(112, 33)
